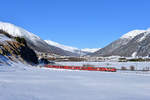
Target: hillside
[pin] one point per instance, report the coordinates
(16, 48)
(75, 50)
(33, 41)
(134, 43)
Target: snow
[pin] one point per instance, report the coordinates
(4, 39)
(20, 32)
(142, 38)
(17, 31)
(51, 84)
(64, 47)
(7, 65)
(71, 49)
(91, 50)
(132, 34)
(134, 54)
(145, 35)
(24, 82)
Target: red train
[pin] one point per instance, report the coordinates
(108, 69)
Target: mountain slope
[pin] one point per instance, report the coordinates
(72, 49)
(9, 46)
(33, 41)
(132, 34)
(134, 43)
(90, 50)
(67, 48)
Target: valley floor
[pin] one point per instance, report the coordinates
(52, 84)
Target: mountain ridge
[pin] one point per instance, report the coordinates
(34, 41)
(133, 43)
(72, 49)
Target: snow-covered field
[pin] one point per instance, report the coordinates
(30, 83)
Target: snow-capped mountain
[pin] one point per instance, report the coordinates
(132, 34)
(47, 46)
(90, 50)
(72, 49)
(133, 43)
(67, 48)
(33, 41)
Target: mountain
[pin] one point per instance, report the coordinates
(33, 41)
(64, 47)
(72, 49)
(90, 50)
(133, 43)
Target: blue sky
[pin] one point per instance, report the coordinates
(78, 23)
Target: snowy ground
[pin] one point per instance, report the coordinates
(52, 84)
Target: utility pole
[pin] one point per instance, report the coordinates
(80, 54)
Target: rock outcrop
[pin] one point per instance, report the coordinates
(11, 46)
